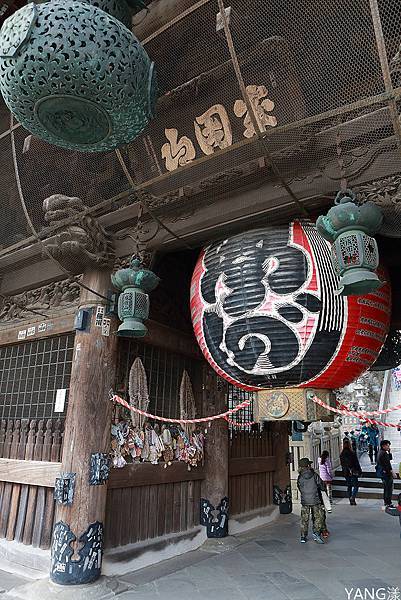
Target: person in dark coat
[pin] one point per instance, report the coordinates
(351, 470)
(309, 485)
(372, 432)
(384, 470)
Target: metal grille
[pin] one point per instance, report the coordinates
(371, 252)
(30, 374)
(235, 396)
(323, 79)
(164, 371)
(141, 305)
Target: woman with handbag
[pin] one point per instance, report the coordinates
(351, 470)
(325, 472)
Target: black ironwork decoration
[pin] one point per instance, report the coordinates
(283, 499)
(87, 568)
(99, 469)
(64, 488)
(301, 426)
(390, 355)
(214, 519)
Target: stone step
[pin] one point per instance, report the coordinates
(366, 483)
(376, 494)
(370, 486)
(368, 475)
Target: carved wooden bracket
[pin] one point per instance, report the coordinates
(79, 245)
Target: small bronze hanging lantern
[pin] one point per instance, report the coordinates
(354, 252)
(75, 76)
(133, 304)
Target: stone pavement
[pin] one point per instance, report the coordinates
(269, 563)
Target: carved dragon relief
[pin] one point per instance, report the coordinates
(386, 193)
(53, 298)
(80, 245)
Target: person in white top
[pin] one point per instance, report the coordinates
(325, 471)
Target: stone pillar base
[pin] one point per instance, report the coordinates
(104, 588)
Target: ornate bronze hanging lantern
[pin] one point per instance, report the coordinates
(133, 304)
(75, 76)
(354, 252)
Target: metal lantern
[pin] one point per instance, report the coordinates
(265, 313)
(75, 76)
(133, 304)
(354, 252)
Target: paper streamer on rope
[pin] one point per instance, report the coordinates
(124, 403)
(363, 416)
(354, 413)
(234, 424)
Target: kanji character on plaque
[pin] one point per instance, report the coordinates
(177, 152)
(260, 107)
(213, 129)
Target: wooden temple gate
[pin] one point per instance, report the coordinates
(144, 501)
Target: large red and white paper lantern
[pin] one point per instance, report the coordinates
(266, 313)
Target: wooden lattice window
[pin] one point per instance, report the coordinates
(30, 374)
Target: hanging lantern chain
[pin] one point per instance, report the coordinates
(143, 202)
(340, 160)
(259, 131)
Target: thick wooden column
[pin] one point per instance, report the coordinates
(215, 502)
(78, 533)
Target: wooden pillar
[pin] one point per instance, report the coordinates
(77, 545)
(215, 502)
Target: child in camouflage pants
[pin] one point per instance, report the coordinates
(318, 520)
(310, 484)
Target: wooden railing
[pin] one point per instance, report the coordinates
(29, 451)
(31, 439)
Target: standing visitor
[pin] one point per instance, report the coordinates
(384, 470)
(354, 439)
(325, 472)
(373, 441)
(309, 484)
(351, 470)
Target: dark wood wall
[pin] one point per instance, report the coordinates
(146, 501)
(251, 470)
